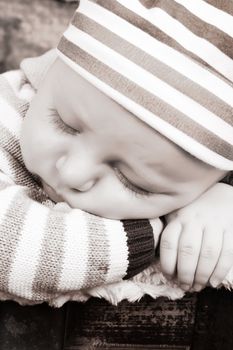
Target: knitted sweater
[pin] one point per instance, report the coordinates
(49, 250)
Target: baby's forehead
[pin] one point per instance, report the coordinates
(102, 113)
(93, 110)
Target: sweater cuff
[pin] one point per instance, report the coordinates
(141, 245)
(228, 179)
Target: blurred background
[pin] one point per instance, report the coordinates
(31, 27)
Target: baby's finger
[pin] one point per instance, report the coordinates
(157, 226)
(209, 255)
(188, 254)
(169, 247)
(225, 262)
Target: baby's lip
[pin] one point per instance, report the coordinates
(51, 192)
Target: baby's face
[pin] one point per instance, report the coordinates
(93, 154)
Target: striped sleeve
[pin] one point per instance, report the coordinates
(45, 251)
(48, 250)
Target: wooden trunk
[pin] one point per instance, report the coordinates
(201, 321)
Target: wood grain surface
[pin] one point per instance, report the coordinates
(202, 321)
(146, 324)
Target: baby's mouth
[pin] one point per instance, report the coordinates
(51, 192)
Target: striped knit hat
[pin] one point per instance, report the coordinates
(168, 62)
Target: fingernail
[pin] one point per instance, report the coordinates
(185, 287)
(197, 287)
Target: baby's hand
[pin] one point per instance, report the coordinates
(197, 242)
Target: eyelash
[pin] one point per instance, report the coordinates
(59, 124)
(135, 190)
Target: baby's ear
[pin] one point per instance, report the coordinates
(149, 3)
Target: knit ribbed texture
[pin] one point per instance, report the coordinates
(228, 179)
(170, 63)
(49, 250)
(136, 230)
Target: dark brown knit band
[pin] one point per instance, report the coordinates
(140, 244)
(228, 179)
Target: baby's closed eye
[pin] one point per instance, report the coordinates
(59, 123)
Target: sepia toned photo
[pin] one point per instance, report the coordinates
(116, 159)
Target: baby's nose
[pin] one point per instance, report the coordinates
(77, 174)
